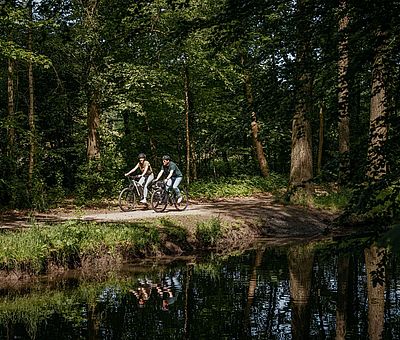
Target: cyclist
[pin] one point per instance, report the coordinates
(173, 176)
(146, 176)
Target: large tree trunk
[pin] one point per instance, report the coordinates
(257, 145)
(301, 168)
(31, 112)
(343, 95)
(376, 277)
(377, 162)
(301, 259)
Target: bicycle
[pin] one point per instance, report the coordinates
(161, 197)
(131, 195)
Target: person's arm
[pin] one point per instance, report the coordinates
(133, 170)
(169, 175)
(159, 175)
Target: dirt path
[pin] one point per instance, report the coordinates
(275, 219)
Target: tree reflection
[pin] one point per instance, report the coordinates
(300, 260)
(344, 295)
(375, 266)
(251, 291)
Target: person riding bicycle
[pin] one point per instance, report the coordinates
(173, 176)
(146, 176)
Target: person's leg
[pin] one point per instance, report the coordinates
(141, 181)
(176, 184)
(149, 180)
(169, 183)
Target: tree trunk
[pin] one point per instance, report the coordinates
(376, 277)
(187, 119)
(321, 137)
(300, 259)
(301, 168)
(93, 122)
(11, 107)
(92, 90)
(31, 112)
(257, 145)
(343, 95)
(377, 162)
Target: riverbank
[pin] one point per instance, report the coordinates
(88, 238)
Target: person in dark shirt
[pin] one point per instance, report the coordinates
(173, 176)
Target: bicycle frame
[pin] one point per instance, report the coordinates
(134, 185)
(161, 197)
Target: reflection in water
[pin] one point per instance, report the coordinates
(375, 267)
(291, 292)
(301, 259)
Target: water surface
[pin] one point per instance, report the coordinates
(319, 290)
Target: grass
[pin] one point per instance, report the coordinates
(236, 186)
(67, 244)
(323, 198)
(209, 232)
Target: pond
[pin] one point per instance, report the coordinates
(317, 290)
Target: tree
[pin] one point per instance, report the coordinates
(301, 169)
(343, 94)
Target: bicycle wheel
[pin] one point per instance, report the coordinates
(127, 200)
(159, 200)
(185, 200)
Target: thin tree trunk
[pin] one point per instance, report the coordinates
(93, 122)
(151, 140)
(321, 137)
(258, 147)
(343, 95)
(11, 107)
(301, 168)
(377, 162)
(187, 119)
(251, 292)
(376, 277)
(31, 112)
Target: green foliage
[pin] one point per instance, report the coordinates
(236, 187)
(209, 232)
(377, 202)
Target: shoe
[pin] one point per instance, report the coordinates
(179, 199)
(143, 201)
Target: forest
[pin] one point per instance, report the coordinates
(306, 89)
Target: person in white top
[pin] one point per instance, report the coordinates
(146, 176)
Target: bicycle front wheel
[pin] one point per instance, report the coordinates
(159, 200)
(183, 204)
(127, 200)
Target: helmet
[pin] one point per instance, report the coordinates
(166, 158)
(141, 155)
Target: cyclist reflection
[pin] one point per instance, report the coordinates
(168, 289)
